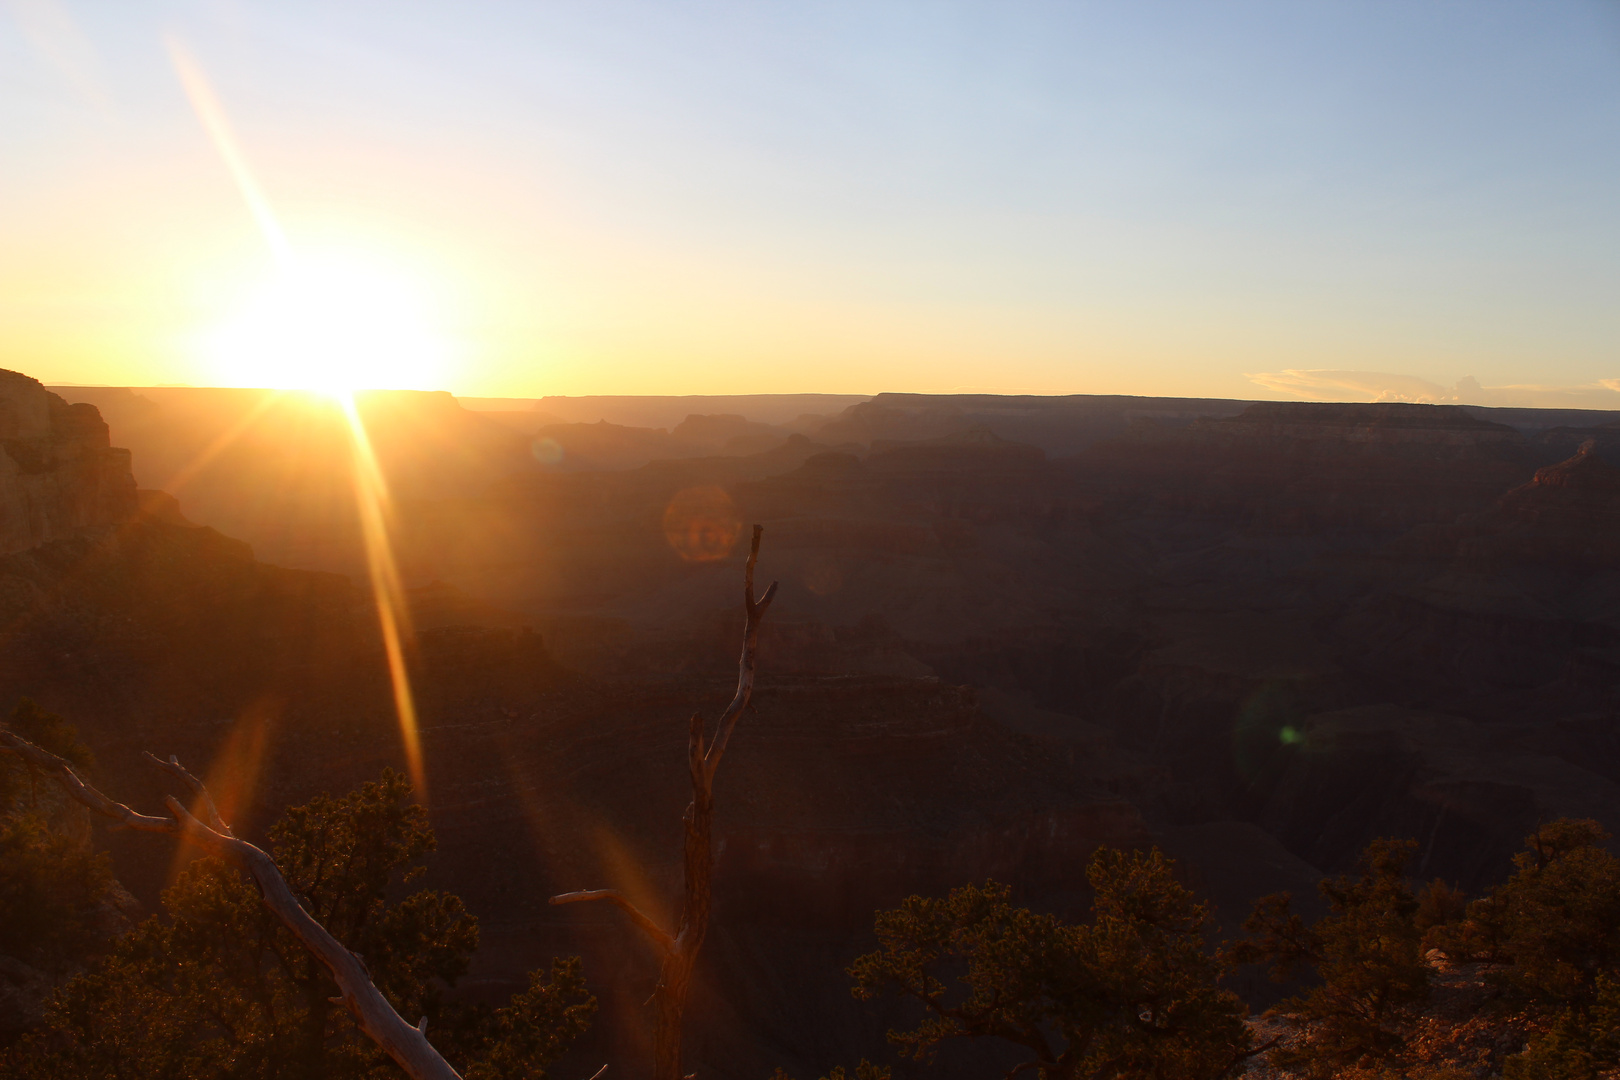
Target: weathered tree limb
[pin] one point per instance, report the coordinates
(205, 801)
(78, 790)
(659, 935)
(403, 1042)
(754, 614)
(703, 760)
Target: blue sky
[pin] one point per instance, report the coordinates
(1161, 198)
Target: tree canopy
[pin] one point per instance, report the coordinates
(1132, 994)
(1367, 952)
(1554, 927)
(52, 882)
(220, 988)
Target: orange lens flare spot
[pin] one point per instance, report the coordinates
(702, 524)
(822, 577)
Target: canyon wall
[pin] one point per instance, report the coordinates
(59, 472)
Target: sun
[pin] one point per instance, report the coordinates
(333, 325)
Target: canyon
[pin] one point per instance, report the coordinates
(1257, 634)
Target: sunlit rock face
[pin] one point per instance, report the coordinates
(59, 473)
(1573, 508)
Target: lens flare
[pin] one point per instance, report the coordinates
(307, 323)
(234, 774)
(547, 451)
(176, 483)
(325, 320)
(212, 115)
(393, 613)
(702, 524)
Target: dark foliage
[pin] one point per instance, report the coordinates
(1439, 905)
(1367, 952)
(1132, 994)
(22, 789)
(221, 989)
(52, 883)
(1556, 922)
(51, 890)
(1554, 926)
(47, 731)
(537, 1027)
(1580, 1044)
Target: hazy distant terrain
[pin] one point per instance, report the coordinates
(665, 411)
(1010, 629)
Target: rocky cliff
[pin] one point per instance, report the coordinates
(59, 472)
(1569, 514)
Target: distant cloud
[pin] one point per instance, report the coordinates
(1330, 385)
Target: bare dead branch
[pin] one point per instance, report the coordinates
(753, 615)
(695, 746)
(614, 896)
(205, 801)
(77, 789)
(401, 1041)
(680, 951)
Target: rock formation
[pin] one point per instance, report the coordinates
(1568, 516)
(59, 473)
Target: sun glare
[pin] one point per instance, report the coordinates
(332, 325)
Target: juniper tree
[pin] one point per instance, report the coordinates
(52, 882)
(1367, 952)
(1554, 927)
(222, 988)
(1132, 994)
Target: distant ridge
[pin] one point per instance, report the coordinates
(667, 410)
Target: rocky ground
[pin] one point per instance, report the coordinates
(1464, 1032)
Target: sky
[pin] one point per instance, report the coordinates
(1410, 200)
